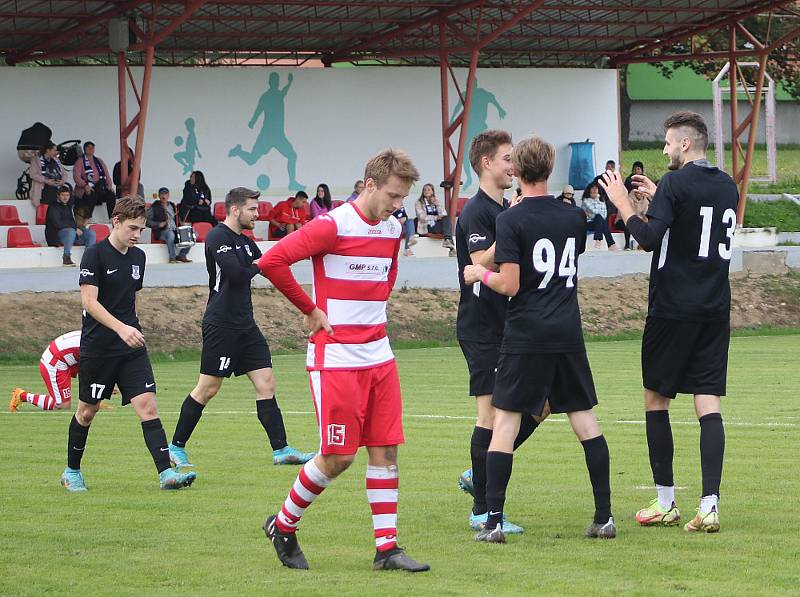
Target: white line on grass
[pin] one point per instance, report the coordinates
(552, 419)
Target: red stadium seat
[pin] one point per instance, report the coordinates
(101, 231)
(41, 215)
(19, 237)
(219, 211)
(462, 201)
(264, 207)
(249, 234)
(9, 216)
(201, 229)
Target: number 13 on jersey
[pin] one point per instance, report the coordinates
(544, 261)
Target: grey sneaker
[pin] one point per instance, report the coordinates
(596, 530)
(494, 535)
(397, 559)
(448, 243)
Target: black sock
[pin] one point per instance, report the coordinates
(659, 444)
(498, 474)
(481, 438)
(156, 441)
(712, 450)
(191, 411)
(597, 461)
(527, 426)
(271, 419)
(76, 443)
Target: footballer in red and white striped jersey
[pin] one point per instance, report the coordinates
(353, 374)
(58, 365)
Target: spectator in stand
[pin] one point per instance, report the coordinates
(93, 185)
(163, 221)
(322, 203)
(357, 189)
(641, 203)
(61, 229)
(288, 216)
(431, 218)
(637, 168)
(408, 231)
(619, 224)
(47, 175)
(567, 195)
(595, 209)
(121, 190)
(196, 202)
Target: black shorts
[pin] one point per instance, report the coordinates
(227, 351)
(482, 364)
(526, 381)
(131, 373)
(685, 357)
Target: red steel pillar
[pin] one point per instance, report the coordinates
(137, 122)
(452, 176)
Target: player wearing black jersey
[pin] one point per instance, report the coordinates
(689, 227)
(542, 355)
(232, 342)
(112, 345)
(481, 311)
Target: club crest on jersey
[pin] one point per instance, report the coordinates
(135, 272)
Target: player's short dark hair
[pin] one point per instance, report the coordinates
(533, 159)
(87, 144)
(689, 120)
(388, 163)
(130, 207)
(64, 189)
(485, 144)
(301, 195)
(238, 197)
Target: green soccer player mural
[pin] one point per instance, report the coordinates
(479, 111)
(272, 135)
(190, 150)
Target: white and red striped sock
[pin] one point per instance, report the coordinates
(309, 484)
(42, 401)
(383, 484)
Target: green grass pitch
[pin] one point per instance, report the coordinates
(126, 537)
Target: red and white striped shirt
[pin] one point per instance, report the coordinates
(355, 267)
(65, 350)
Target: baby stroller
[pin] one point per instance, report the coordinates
(30, 141)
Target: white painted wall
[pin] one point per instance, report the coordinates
(335, 118)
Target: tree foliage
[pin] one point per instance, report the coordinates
(783, 64)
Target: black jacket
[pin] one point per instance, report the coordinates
(59, 216)
(156, 215)
(191, 210)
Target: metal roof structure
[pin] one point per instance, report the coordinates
(447, 34)
(545, 33)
